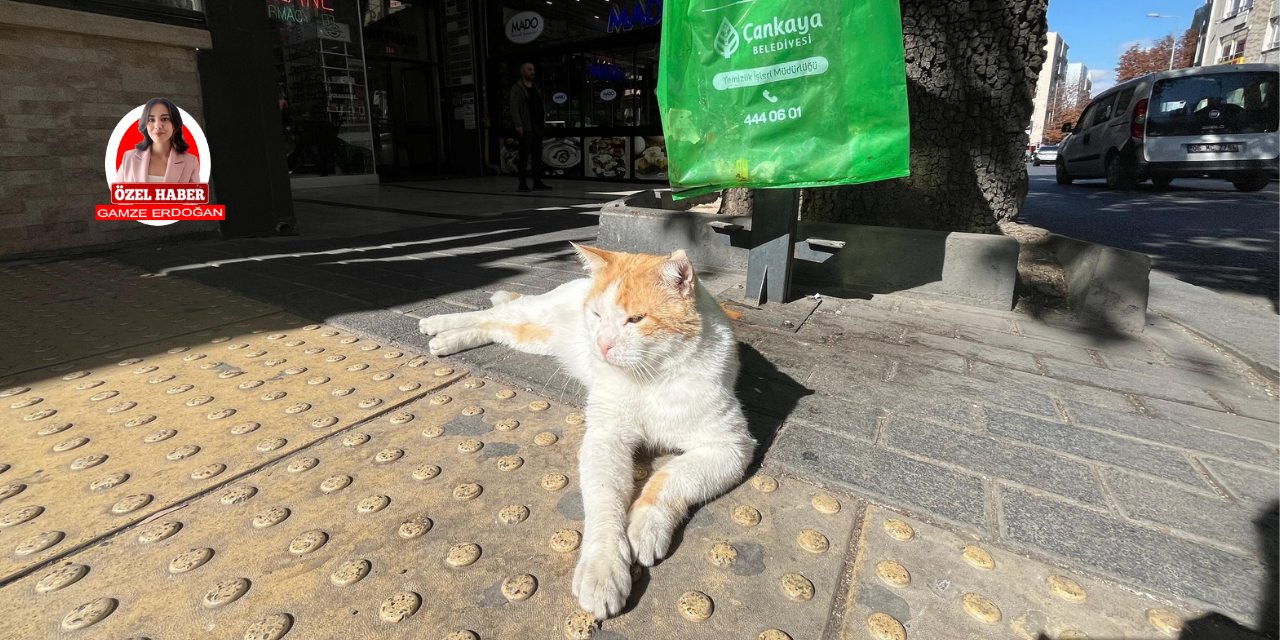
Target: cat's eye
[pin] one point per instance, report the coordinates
(635, 319)
(595, 314)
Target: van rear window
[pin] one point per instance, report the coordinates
(1214, 104)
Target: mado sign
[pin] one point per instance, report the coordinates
(608, 95)
(525, 27)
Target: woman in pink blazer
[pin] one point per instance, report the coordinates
(162, 155)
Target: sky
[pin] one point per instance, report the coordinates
(1098, 31)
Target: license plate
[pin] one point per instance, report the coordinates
(1215, 147)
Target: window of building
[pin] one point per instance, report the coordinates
(1273, 33)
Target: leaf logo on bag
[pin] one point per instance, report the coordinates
(726, 39)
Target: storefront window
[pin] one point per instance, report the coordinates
(322, 96)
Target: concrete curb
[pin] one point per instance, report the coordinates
(1250, 336)
(1108, 287)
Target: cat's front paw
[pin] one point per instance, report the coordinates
(431, 326)
(650, 534)
(447, 343)
(602, 580)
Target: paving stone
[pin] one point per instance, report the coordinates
(788, 361)
(1010, 394)
(1176, 435)
(766, 395)
(1197, 513)
(787, 317)
(1131, 552)
(1129, 383)
(1245, 483)
(1221, 421)
(1026, 344)
(387, 325)
(984, 352)
(1215, 378)
(957, 315)
(881, 474)
(1123, 344)
(1253, 403)
(825, 327)
(867, 311)
(318, 305)
(1093, 445)
(995, 458)
(852, 420)
(1062, 389)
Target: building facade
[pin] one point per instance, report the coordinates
(1049, 86)
(1077, 85)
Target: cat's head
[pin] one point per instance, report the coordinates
(642, 309)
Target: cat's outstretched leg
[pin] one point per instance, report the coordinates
(602, 579)
(697, 475)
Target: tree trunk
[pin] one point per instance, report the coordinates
(971, 78)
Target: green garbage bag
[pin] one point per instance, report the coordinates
(782, 93)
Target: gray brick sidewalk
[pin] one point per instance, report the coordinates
(1149, 460)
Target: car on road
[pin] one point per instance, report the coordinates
(1201, 122)
(1044, 155)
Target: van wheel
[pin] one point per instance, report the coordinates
(1060, 172)
(1161, 183)
(1119, 176)
(1251, 183)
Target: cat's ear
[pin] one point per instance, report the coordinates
(593, 259)
(677, 272)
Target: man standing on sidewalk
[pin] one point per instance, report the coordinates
(529, 115)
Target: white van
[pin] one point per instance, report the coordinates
(1215, 122)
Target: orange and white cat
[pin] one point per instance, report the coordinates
(659, 358)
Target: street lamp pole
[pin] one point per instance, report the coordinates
(1173, 47)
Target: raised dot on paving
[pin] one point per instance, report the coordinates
(355, 439)
(308, 542)
(470, 445)
(513, 514)
(893, 573)
(335, 483)
(462, 635)
(882, 626)
(812, 541)
(61, 577)
(507, 424)
(373, 504)
(238, 495)
(473, 383)
(129, 504)
(746, 515)
(695, 606)
(566, 540)
(302, 464)
(539, 405)
(505, 394)
(270, 518)
(467, 491)
(461, 555)
(426, 472)
(433, 431)
(899, 530)
(39, 542)
(824, 503)
(89, 613)
(190, 559)
(978, 558)
(773, 634)
(554, 481)
(519, 588)
(415, 527)
(981, 608)
(764, 483)
(1166, 621)
(272, 627)
(510, 463)
(399, 606)
(388, 455)
(225, 592)
(575, 418)
(108, 482)
(350, 572)
(796, 587)
(440, 399)
(1066, 588)
(159, 531)
(578, 625)
(722, 554)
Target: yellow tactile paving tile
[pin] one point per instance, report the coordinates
(128, 434)
(915, 580)
(456, 514)
(63, 311)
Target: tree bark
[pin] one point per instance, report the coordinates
(971, 75)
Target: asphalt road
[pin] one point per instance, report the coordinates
(1199, 231)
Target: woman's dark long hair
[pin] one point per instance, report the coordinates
(175, 117)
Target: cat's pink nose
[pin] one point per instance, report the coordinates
(605, 346)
